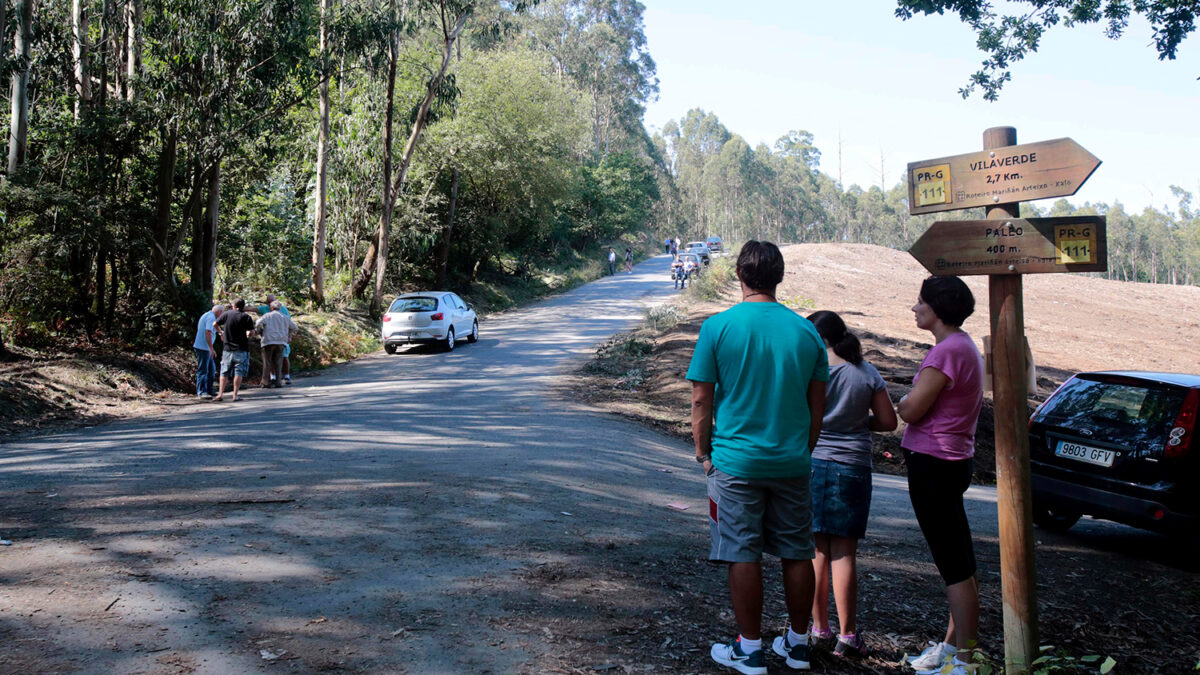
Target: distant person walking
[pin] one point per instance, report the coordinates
(276, 330)
(674, 246)
(628, 261)
(758, 396)
(856, 403)
(667, 245)
(206, 353)
(612, 261)
(287, 349)
(236, 326)
(942, 410)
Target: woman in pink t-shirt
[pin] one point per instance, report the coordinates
(939, 449)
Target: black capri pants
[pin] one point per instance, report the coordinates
(936, 488)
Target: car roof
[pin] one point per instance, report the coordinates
(417, 294)
(1181, 379)
(714, 238)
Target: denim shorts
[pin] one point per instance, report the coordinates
(235, 362)
(841, 495)
(751, 516)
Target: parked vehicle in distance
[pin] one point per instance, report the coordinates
(715, 244)
(428, 317)
(1119, 445)
(699, 248)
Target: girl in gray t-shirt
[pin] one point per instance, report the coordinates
(856, 403)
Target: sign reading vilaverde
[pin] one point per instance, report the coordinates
(1015, 173)
(1013, 246)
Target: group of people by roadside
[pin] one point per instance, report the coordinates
(671, 246)
(223, 336)
(612, 261)
(782, 413)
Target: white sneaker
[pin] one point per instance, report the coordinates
(950, 665)
(930, 658)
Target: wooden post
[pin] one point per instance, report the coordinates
(1010, 396)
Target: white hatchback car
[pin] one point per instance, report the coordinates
(428, 317)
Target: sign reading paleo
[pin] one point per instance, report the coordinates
(1013, 246)
(1015, 173)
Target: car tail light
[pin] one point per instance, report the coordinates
(437, 317)
(386, 318)
(1180, 437)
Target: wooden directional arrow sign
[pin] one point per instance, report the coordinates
(1016, 173)
(1014, 246)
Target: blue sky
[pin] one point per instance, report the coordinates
(890, 88)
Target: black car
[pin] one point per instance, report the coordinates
(1120, 446)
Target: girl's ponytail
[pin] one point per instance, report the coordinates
(833, 330)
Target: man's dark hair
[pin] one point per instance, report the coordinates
(949, 298)
(239, 304)
(760, 265)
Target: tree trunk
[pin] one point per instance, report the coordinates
(83, 83)
(211, 214)
(101, 279)
(112, 293)
(18, 136)
(317, 290)
(444, 257)
(195, 215)
(133, 47)
(385, 218)
(372, 262)
(166, 188)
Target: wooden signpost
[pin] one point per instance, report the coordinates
(1001, 175)
(1005, 247)
(1014, 246)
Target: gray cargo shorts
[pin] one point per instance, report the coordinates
(751, 516)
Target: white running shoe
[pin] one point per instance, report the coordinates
(930, 658)
(950, 665)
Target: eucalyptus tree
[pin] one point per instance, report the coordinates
(449, 17)
(516, 136)
(317, 287)
(601, 45)
(18, 130)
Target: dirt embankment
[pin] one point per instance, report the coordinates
(85, 384)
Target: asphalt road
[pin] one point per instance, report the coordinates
(383, 516)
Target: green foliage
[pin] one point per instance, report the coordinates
(539, 118)
(1008, 38)
(662, 317)
(622, 358)
(716, 279)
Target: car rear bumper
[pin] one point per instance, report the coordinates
(1122, 508)
(413, 337)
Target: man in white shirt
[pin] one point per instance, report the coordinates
(206, 355)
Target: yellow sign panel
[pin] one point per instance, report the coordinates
(931, 184)
(1075, 244)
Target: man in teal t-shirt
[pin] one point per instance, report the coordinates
(758, 396)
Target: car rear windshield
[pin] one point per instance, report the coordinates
(1127, 411)
(414, 305)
